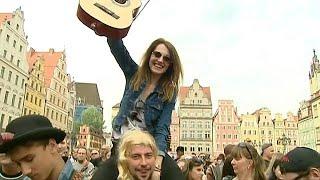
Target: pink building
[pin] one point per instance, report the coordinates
(226, 123)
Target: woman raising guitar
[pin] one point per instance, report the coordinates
(148, 99)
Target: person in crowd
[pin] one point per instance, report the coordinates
(182, 164)
(32, 143)
(215, 172)
(95, 158)
(73, 157)
(273, 170)
(137, 156)
(105, 153)
(227, 170)
(180, 152)
(247, 163)
(83, 165)
(301, 163)
(10, 170)
(149, 95)
(195, 169)
(63, 150)
(136, 160)
(267, 152)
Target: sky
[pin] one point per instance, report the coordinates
(257, 53)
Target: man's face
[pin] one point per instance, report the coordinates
(94, 154)
(141, 162)
(269, 152)
(62, 146)
(81, 155)
(36, 161)
(180, 153)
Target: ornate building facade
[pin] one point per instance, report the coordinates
(195, 113)
(13, 65)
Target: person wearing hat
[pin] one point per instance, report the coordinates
(32, 143)
(301, 163)
(267, 152)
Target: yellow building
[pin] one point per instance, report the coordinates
(56, 83)
(36, 91)
(90, 138)
(13, 65)
(195, 112)
(266, 128)
(249, 130)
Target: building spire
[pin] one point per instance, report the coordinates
(315, 58)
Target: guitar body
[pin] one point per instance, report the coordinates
(110, 18)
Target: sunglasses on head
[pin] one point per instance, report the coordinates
(158, 54)
(244, 145)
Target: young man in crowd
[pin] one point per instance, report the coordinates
(180, 152)
(32, 143)
(267, 152)
(82, 165)
(301, 163)
(95, 158)
(10, 170)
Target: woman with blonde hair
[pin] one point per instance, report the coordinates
(247, 163)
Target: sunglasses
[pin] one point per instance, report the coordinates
(244, 145)
(158, 54)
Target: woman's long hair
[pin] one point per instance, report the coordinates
(241, 150)
(129, 139)
(170, 80)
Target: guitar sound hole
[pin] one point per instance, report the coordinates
(121, 1)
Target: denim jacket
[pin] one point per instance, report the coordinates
(157, 112)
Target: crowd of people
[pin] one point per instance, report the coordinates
(32, 149)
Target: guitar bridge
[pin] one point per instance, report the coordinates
(106, 10)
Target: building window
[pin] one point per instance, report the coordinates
(17, 27)
(17, 79)
(7, 38)
(4, 53)
(1, 120)
(18, 63)
(6, 97)
(19, 103)
(20, 49)
(13, 99)
(9, 76)
(2, 72)
(22, 83)
(14, 43)
(11, 58)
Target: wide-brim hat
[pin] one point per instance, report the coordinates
(29, 128)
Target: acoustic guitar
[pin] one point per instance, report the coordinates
(110, 18)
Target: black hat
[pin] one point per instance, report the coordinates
(29, 127)
(300, 159)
